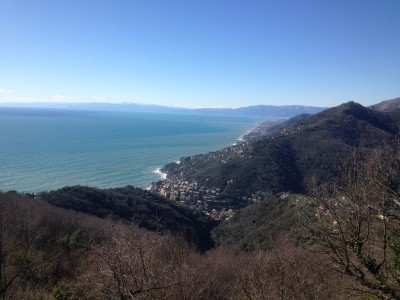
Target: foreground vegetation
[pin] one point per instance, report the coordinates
(344, 241)
(52, 253)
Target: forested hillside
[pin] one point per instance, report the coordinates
(309, 149)
(47, 252)
(261, 225)
(139, 206)
(388, 105)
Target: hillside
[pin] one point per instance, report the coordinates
(310, 149)
(138, 206)
(388, 105)
(260, 225)
(48, 252)
(271, 126)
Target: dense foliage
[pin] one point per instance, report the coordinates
(261, 225)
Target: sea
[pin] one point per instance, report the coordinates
(46, 149)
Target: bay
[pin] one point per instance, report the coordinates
(44, 149)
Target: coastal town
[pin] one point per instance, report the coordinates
(178, 185)
(262, 129)
(207, 200)
(181, 188)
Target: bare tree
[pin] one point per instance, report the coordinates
(16, 241)
(125, 266)
(355, 218)
(286, 272)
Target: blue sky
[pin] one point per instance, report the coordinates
(200, 53)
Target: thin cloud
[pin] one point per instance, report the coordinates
(99, 99)
(62, 98)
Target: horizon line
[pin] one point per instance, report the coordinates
(53, 103)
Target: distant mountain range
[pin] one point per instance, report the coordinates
(285, 111)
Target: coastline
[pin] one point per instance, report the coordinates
(259, 129)
(239, 140)
(198, 195)
(161, 174)
(243, 138)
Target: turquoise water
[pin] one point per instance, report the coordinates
(42, 150)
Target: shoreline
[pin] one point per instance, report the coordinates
(239, 139)
(161, 174)
(259, 129)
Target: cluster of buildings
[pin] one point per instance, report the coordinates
(261, 130)
(198, 197)
(269, 130)
(221, 156)
(193, 195)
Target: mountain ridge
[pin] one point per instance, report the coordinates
(287, 160)
(390, 105)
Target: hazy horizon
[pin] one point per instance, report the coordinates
(71, 104)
